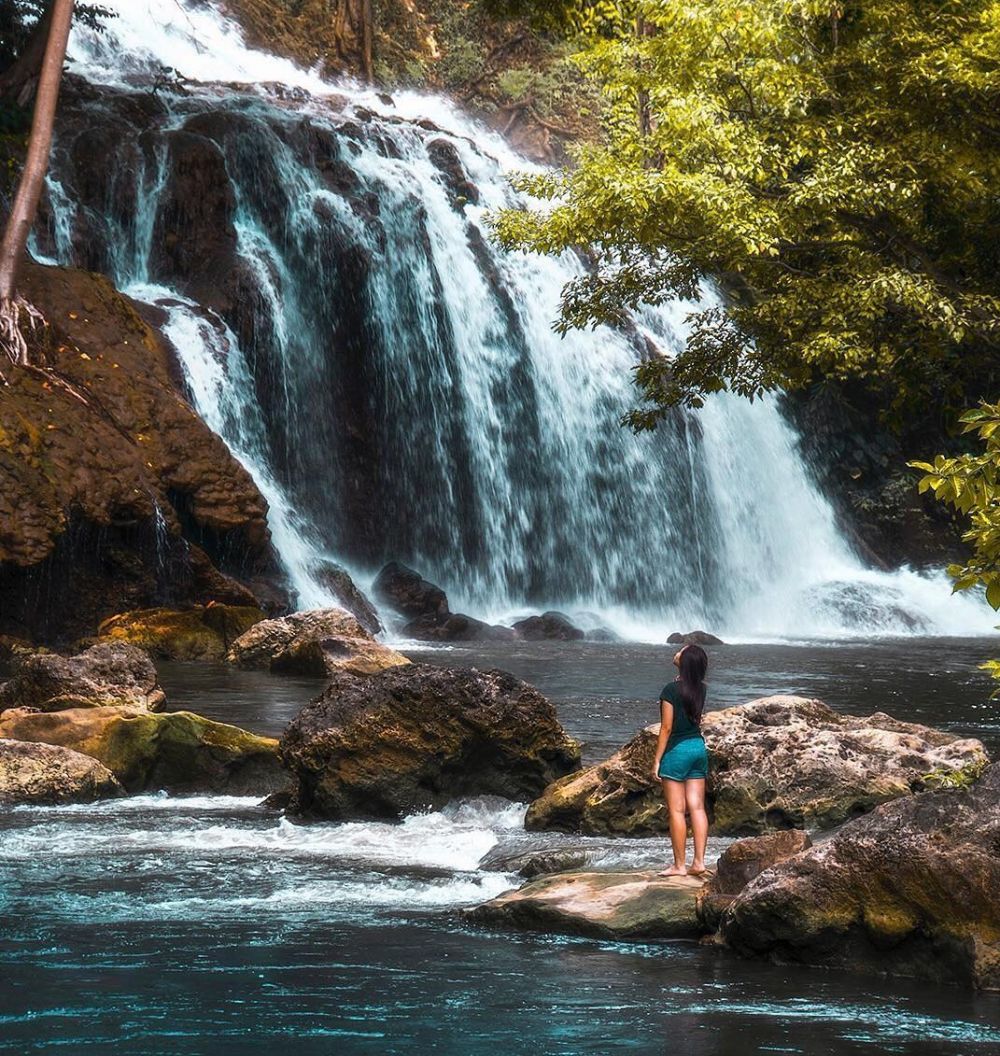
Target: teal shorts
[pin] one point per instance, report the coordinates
(685, 761)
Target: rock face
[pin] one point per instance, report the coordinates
(414, 737)
(554, 626)
(631, 905)
(740, 863)
(203, 632)
(177, 751)
(318, 642)
(44, 774)
(909, 889)
(112, 673)
(123, 498)
(776, 763)
(694, 638)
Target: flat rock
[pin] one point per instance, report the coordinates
(776, 763)
(45, 774)
(909, 889)
(200, 632)
(318, 642)
(106, 674)
(415, 737)
(608, 905)
(177, 751)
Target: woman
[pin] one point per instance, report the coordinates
(681, 761)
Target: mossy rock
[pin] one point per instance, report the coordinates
(203, 632)
(176, 751)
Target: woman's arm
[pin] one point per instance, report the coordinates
(666, 722)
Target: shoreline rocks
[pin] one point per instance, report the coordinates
(412, 738)
(623, 906)
(176, 751)
(776, 763)
(318, 642)
(45, 775)
(106, 674)
(201, 632)
(909, 889)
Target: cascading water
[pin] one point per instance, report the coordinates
(392, 380)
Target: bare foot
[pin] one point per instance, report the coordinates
(675, 870)
(698, 869)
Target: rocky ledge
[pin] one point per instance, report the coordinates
(910, 889)
(201, 632)
(776, 763)
(413, 737)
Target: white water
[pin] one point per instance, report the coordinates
(507, 478)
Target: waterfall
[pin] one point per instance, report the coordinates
(392, 379)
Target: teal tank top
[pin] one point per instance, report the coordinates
(683, 728)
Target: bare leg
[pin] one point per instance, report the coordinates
(694, 795)
(673, 795)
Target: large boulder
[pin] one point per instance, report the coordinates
(776, 763)
(607, 905)
(693, 638)
(416, 737)
(336, 579)
(910, 889)
(202, 632)
(407, 593)
(740, 863)
(554, 626)
(456, 627)
(318, 642)
(106, 674)
(45, 774)
(176, 751)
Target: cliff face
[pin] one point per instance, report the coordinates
(113, 493)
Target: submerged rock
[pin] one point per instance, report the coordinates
(109, 673)
(176, 751)
(619, 905)
(318, 642)
(910, 889)
(555, 626)
(776, 763)
(740, 863)
(338, 581)
(694, 638)
(415, 737)
(202, 632)
(46, 774)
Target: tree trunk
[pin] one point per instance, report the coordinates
(29, 189)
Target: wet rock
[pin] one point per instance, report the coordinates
(202, 632)
(775, 763)
(415, 737)
(317, 642)
(338, 581)
(621, 905)
(14, 649)
(910, 889)
(406, 592)
(536, 861)
(111, 673)
(444, 155)
(456, 627)
(45, 774)
(742, 862)
(694, 638)
(554, 626)
(177, 751)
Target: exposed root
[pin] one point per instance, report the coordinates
(14, 314)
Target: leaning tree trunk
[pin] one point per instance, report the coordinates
(29, 189)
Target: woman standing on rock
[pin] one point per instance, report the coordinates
(681, 760)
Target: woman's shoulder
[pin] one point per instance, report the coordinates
(671, 693)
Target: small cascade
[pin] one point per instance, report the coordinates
(392, 380)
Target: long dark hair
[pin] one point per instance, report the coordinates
(693, 666)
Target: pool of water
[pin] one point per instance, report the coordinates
(208, 924)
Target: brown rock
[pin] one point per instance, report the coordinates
(694, 638)
(111, 673)
(554, 626)
(620, 905)
(910, 889)
(202, 632)
(318, 642)
(775, 763)
(407, 593)
(415, 737)
(45, 774)
(340, 584)
(176, 751)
